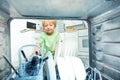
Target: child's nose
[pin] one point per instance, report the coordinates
(48, 27)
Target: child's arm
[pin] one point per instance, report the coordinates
(39, 43)
(37, 50)
(58, 48)
(57, 51)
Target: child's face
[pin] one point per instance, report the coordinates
(49, 28)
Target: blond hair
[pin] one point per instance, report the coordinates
(49, 21)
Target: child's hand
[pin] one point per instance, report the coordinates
(36, 51)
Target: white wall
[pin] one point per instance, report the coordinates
(72, 22)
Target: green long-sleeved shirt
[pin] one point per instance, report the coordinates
(49, 42)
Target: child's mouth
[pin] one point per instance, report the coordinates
(48, 30)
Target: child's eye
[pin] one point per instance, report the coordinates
(51, 25)
(46, 25)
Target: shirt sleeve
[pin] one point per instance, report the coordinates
(41, 38)
(59, 39)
